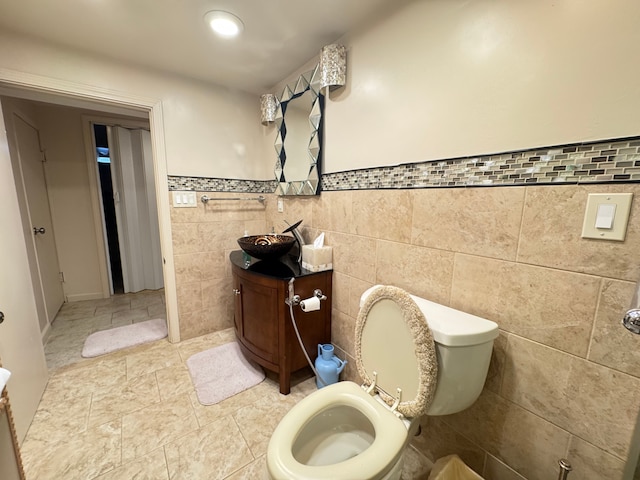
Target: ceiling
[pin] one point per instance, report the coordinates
(170, 35)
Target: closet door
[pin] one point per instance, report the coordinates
(135, 203)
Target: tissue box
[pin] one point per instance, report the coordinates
(317, 259)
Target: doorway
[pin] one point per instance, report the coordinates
(103, 161)
(20, 298)
(129, 206)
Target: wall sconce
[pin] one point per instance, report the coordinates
(333, 65)
(268, 107)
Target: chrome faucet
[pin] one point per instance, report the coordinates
(294, 229)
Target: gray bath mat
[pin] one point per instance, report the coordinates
(222, 372)
(107, 341)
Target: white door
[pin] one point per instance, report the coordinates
(35, 186)
(136, 209)
(21, 349)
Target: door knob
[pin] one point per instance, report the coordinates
(236, 291)
(37, 230)
(1, 317)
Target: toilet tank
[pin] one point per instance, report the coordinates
(463, 344)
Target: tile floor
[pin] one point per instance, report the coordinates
(134, 414)
(76, 321)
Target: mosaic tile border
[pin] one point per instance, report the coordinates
(203, 184)
(608, 161)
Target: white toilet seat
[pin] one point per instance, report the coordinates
(372, 463)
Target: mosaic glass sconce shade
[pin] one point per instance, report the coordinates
(268, 107)
(333, 65)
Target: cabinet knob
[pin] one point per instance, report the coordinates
(236, 291)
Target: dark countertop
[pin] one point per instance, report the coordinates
(285, 267)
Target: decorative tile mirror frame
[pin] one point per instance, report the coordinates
(298, 142)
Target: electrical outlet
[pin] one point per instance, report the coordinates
(280, 205)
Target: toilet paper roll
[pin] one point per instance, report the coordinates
(310, 304)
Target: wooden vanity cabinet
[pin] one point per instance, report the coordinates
(262, 321)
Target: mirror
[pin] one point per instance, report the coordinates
(299, 140)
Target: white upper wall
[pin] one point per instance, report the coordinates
(210, 131)
(437, 79)
(444, 79)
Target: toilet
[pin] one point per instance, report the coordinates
(410, 367)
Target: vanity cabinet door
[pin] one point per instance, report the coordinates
(258, 318)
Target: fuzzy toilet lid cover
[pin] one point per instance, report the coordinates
(424, 349)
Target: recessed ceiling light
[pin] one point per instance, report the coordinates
(224, 24)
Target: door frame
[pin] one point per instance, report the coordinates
(70, 94)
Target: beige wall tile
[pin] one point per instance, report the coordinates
(549, 306)
(333, 212)
(596, 403)
(421, 271)
(201, 322)
(356, 288)
(613, 345)
(340, 296)
(383, 214)
(185, 238)
(498, 360)
(353, 255)
(481, 221)
(217, 293)
(552, 225)
(343, 328)
(437, 440)
(350, 372)
(591, 463)
(496, 470)
(189, 297)
(193, 267)
(526, 442)
(220, 236)
(294, 209)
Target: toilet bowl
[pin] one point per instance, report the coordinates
(415, 357)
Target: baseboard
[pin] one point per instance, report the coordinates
(85, 296)
(46, 333)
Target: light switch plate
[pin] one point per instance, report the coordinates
(618, 230)
(184, 199)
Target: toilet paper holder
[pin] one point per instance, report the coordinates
(296, 299)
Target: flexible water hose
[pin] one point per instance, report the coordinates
(304, 350)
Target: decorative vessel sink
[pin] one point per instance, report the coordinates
(266, 247)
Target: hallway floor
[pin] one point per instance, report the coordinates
(77, 320)
(134, 414)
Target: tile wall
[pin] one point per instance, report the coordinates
(564, 378)
(203, 237)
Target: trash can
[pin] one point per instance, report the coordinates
(452, 468)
